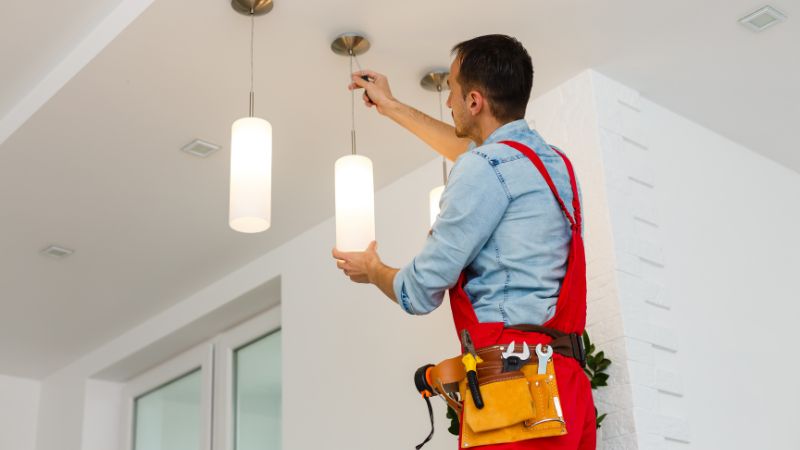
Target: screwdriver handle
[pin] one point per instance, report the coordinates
(366, 78)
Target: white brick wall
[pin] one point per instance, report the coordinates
(597, 122)
(651, 342)
(567, 117)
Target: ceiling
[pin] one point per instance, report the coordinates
(97, 166)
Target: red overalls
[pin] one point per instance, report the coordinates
(573, 385)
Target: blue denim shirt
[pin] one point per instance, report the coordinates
(501, 224)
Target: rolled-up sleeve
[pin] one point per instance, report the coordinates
(472, 205)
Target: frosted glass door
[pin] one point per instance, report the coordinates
(257, 394)
(170, 417)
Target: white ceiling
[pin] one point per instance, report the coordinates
(97, 167)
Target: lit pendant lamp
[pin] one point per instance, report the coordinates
(436, 81)
(251, 151)
(355, 192)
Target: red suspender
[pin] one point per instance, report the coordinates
(574, 222)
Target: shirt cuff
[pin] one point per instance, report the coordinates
(400, 292)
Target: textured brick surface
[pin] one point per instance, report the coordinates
(598, 123)
(649, 336)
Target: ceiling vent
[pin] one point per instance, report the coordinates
(201, 148)
(55, 251)
(763, 18)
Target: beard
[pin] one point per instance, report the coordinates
(461, 130)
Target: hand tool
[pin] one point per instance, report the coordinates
(471, 360)
(513, 361)
(544, 356)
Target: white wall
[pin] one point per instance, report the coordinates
(704, 248)
(732, 250)
(19, 401)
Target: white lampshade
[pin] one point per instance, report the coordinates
(435, 197)
(251, 175)
(355, 203)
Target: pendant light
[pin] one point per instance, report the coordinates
(436, 81)
(355, 192)
(251, 151)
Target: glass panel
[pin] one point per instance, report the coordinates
(258, 394)
(169, 418)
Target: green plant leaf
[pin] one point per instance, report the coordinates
(596, 364)
(454, 425)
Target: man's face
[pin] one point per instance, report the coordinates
(457, 104)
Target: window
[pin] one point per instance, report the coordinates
(226, 390)
(257, 394)
(170, 417)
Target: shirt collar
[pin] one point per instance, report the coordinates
(506, 131)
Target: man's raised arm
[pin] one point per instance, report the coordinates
(437, 134)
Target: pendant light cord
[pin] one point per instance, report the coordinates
(252, 53)
(353, 103)
(441, 118)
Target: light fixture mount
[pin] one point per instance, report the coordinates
(435, 81)
(350, 44)
(252, 7)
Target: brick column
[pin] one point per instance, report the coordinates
(597, 122)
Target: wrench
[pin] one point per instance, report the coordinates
(513, 361)
(544, 356)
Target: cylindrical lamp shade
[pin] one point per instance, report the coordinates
(251, 175)
(355, 203)
(435, 197)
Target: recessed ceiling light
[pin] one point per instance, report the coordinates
(763, 18)
(201, 148)
(58, 252)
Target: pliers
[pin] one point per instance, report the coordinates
(471, 360)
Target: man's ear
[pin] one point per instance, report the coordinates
(475, 102)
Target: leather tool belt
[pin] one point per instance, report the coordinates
(520, 404)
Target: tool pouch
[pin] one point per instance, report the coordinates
(519, 405)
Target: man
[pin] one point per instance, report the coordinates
(507, 242)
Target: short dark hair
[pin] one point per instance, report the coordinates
(499, 67)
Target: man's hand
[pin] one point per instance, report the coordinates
(376, 91)
(357, 265)
(439, 135)
(366, 267)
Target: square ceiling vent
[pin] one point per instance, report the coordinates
(57, 252)
(201, 148)
(763, 18)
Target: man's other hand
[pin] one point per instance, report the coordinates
(359, 266)
(376, 91)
